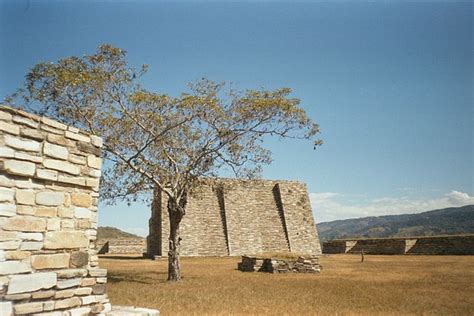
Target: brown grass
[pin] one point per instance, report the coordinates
(380, 285)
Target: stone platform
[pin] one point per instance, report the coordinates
(118, 310)
(279, 265)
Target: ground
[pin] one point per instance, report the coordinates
(380, 285)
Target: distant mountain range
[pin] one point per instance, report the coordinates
(448, 221)
(106, 232)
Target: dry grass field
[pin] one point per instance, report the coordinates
(380, 285)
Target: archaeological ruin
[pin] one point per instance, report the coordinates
(429, 245)
(230, 217)
(49, 183)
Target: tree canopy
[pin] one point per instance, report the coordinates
(154, 140)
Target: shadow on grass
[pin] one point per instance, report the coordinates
(117, 278)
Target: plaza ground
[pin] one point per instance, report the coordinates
(379, 285)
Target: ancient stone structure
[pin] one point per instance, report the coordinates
(49, 182)
(436, 245)
(279, 265)
(228, 217)
(121, 246)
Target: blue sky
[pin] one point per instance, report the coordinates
(390, 83)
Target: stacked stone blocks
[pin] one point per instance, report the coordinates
(278, 265)
(49, 182)
(229, 217)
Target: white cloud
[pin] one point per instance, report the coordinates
(329, 206)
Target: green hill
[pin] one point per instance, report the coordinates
(448, 221)
(106, 232)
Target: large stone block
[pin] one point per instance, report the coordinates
(50, 261)
(47, 174)
(9, 128)
(55, 151)
(50, 198)
(31, 282)
(94, 162)
(79, 258)
(68, 303)
(21, 168)
(24, 223)
(26, 197)
(28, 308)
(6, 195)
(61, 165)
(65, 239)
(7, 210)
(6, 309)
(26, 145)
(81, 199)
(14, 267)
(81, 212)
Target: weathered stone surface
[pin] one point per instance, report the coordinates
(83, 291)
(81, 199)
(24, 223)
(88, 148)
(98, 272)
(8, 235)
(88, 282)
(17, 297)
(6, 152)
(46, 211)
(6, 308)
(18, 167)
(4, 181)
(96, 141)
(32, 133)
(50, 261)
(79, 137)
(68, 303)
(17, 255)
(80, 311)
(31, 282)
(61, 165)
(24, 121)
(53, 123)
(47, 174)
(64, 294)
(43, 294)
(26, 197)
(6, 195)
(79, 258)
(65, 212)
(94, 162)
(53, 224)
(18, 143)
(80, 160)
(10, 245)
(30, 236)
(28, 308)
(14, 267)
(25, 210)
(7, 210)
(50, 198)
(81, 212)
(65, 239)
(28, 184)
(72, 180)
(49, 306)
(27, 157)
(71, 273)
(55, 151)
(31, 245)
(9, 128)
(67, 283)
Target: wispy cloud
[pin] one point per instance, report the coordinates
(329, 206)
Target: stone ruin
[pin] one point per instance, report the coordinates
(233, 217)
(49, 184)
(279, 265)
(429, 245)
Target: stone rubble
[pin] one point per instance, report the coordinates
(278, 265)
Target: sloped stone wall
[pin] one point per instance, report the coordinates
(235, 217)
(49, 182)
(121, 246)
(432, 245)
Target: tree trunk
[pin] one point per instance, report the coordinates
(176, 212)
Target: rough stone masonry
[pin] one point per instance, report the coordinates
(49, 183)
(228, 217)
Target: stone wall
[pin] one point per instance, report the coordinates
(121, 246)
(436, 245)
(49, 181)
(278, 265)
(235, 217)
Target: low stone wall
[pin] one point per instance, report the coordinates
(121, 246)
(275, 265)
(49, 183)
(436, 245)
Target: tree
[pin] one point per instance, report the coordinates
(154, 140)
